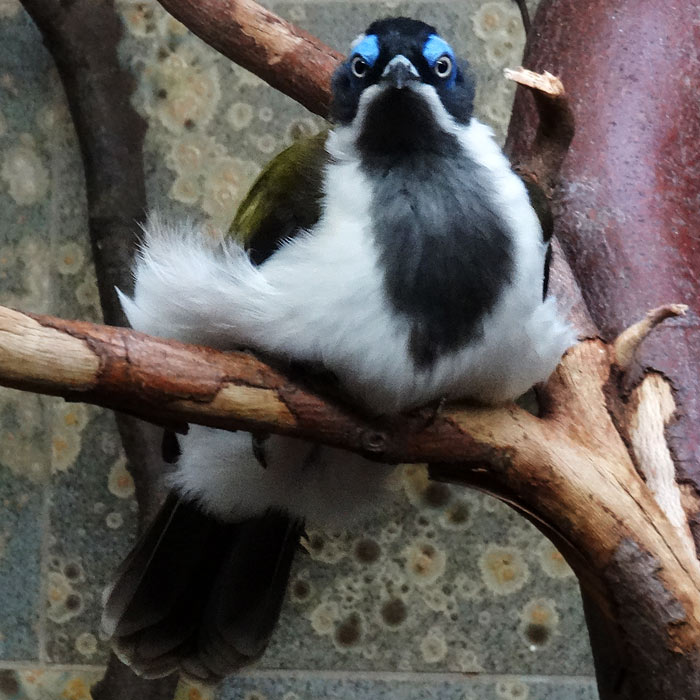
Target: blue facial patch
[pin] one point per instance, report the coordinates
(434, 48)
(367, 48)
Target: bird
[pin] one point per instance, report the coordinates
(398, 253)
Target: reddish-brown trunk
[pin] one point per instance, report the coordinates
(628, 203)
(628, 217)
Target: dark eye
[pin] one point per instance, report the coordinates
(359, 67)
(443, 67)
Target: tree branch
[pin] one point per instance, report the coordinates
(285, 56)
(171, 383)
(569, 468)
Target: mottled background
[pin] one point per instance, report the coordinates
(450, 583)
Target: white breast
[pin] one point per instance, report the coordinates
(339, 298)
(320, 297)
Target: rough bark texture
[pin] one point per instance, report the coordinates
(676, 674)
(569, 468)
(82, 36)
(627, 216)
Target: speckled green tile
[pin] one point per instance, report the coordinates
(25, 184)
(21, 520)
(446, 580)
(20, 41)
(403, 687)
(93, 517)
(47, 684)
(25, 210)
(72, 271)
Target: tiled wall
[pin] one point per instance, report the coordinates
(450, 595)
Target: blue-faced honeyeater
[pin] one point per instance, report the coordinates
(396, 252)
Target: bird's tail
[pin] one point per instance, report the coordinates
(198, 595)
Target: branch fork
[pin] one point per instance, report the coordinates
(561, 465)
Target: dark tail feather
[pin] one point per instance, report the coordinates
(199, 595)
(245, 602)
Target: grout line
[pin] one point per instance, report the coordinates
(53, 146)
(395, 676)
(413, 676)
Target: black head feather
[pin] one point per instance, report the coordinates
(382, 41)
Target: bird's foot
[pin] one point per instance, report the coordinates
(425, 416)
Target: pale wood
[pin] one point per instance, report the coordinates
(33, 354)
(570, 468)
(542, 82)
(651, 408)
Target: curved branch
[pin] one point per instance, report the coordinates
(628, 342)
(569, 468)
(285, 56)
(172, 383)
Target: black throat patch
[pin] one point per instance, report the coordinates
(446, 253)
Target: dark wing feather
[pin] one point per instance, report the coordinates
(542, 206)
(246, 601)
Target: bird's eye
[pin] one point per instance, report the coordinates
(359, 67)
(443, 67)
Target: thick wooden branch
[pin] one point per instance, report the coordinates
(285, 56)
(570, 468)
(172, 383)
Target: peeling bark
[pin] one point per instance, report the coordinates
(569, 469)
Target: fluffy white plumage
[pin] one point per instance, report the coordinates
(329, 487)
(320, 298)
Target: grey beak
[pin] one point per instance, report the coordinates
(399, 72)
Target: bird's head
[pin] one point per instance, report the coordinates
(400, 85)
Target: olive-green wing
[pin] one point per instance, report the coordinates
(285, 199)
